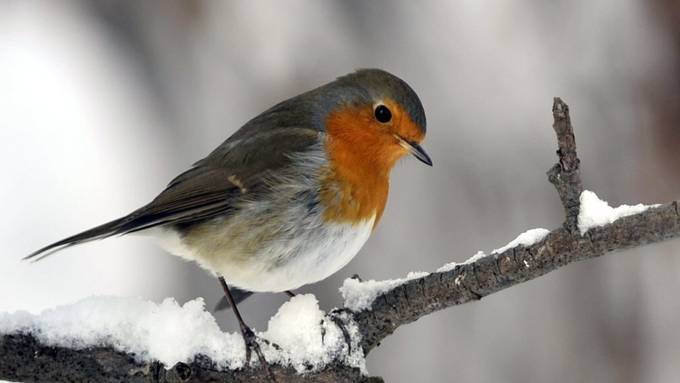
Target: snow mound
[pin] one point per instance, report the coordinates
(307, 340)
(172, 333)
(595, 212)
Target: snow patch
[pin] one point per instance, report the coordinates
(595, 212)
(359, 295)
(452, 265)
(447, 267)
(172, 333)
(478, 255)
(525, 239)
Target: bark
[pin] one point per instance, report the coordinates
(23, 358)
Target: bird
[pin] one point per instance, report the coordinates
(290, 197)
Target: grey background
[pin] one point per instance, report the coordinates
(103, 102)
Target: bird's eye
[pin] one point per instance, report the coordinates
(383, 114)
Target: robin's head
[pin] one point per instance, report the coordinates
(375, 114)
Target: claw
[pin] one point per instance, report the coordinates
(250, 339)
(251, 342)
(335, 317)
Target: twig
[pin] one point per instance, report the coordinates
(565, 174)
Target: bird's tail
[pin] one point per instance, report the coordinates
(238, 295)
(102, 231)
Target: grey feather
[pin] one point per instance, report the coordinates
(238, 295)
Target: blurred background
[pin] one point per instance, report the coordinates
(103, 102)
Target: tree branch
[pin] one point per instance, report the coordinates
(23, 358)
(468, 282)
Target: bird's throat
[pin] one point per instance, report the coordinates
(355, 184)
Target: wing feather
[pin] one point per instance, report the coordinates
(238, 167)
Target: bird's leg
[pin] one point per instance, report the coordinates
(289, 293)
(249, 336)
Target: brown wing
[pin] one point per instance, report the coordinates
(239, 166)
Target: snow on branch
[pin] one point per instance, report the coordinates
(115, 339)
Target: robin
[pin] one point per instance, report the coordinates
(292, 196)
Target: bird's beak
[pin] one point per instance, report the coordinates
(415, 149)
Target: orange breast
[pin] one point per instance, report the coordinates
(356, 183)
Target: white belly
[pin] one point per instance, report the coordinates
(280, 265)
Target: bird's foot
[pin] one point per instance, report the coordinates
(251, 341)
(338, 316)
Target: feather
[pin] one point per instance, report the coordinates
(238, 169)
